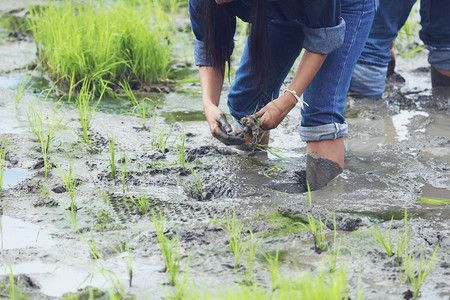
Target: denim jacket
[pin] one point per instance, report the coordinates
(323, 26)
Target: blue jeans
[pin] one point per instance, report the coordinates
(326, 95)
(370, 73)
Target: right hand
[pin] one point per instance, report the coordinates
(220, 128)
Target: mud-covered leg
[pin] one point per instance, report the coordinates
(325, 161)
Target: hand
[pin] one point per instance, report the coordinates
(274, 113)
(220, 128)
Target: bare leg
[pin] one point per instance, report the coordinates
(324, 162)
(440, 77)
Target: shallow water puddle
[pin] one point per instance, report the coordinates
(13, 177)
(9, 83)
(57, 280)
(401, 121)
(15, 233)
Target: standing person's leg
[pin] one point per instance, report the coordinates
(369, 75)
(323, 125)
(435, 33)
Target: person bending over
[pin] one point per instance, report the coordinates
(332, 33)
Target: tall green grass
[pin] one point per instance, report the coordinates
(105, 44)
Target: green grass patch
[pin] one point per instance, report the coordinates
(283, 225)
(103, 44)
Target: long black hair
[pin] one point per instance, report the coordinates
(220, 26)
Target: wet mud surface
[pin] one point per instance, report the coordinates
(398, 150)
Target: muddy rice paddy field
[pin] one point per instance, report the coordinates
(398, 150)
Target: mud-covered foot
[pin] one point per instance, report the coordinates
(320, 171)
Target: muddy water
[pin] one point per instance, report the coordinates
(397, 150)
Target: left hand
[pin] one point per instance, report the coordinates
(274, 113)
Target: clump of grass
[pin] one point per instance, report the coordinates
(142, 203)
(234, 229)
(386, 242)
(333, 252)
(434, 201)
(3, 147)
(44, 134)
(170, 249)
(70, 182)
(139, 108)
(318, 228)
(416, 274)
(406, 45)
(274, 267)
(86, 112)
(14, 289)
(108, 43)
(25, 85)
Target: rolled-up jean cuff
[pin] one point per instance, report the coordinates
(200, 54)
(323, 132)
(369, 80)
(439, 58)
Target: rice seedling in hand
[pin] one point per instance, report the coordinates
(386, 242)
(86, 112)
(170, 249)
(112, 161)
(139, 108)
(416, 274)
(333, 252)
(3, 147)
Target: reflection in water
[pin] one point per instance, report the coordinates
(16, 234)
(13, 177)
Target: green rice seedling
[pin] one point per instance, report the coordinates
(406, 35)
(109, 42)
(402, 242)
(109, 276)
(3, 147)
(170, 249)
(250, 252)
(70, 182)
(318, 228)
(86, 112)
(44, 134)
(142, 203)
(333, 253)
(434, 201)
(417, 275)
(14, 290)
(196, 189)
(112, 160)
(162, 139)
(139, 108)
(234, 230)
(180, 152)
(274, 267)
(386, 242)
(274, 170)
(126, 252)
(124, 173)
(96, 253)
(24, 85)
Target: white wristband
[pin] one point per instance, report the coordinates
(294, 93)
